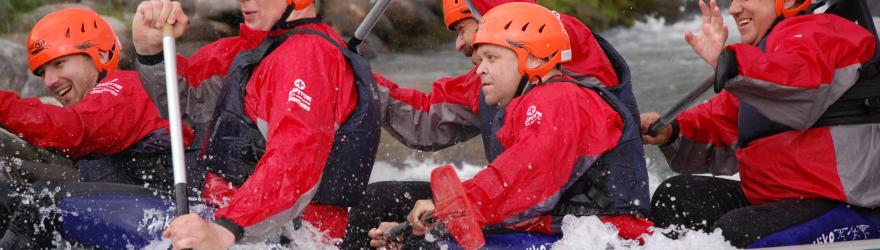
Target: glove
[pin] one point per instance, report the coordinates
(727, 68)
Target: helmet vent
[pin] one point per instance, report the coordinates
(83, 28)
(525, 27)
(507, 27)
(541, 30)
(95, 23)
(68, 33)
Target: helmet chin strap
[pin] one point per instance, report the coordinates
(283, 20)
(524, 87)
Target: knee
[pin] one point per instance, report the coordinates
(665, 195)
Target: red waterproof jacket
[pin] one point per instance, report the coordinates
(810, 61)
(449, 114)
(114, 115)
(297, 96)
(543, 136)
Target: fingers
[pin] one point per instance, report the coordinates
(377, 236)
(163, 13)
(648, 119)
(180, 22)
(705, 11)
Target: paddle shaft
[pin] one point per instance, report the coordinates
(401, 228)
(367, 25)
(680, 106)
(169, 52)
(473, 9)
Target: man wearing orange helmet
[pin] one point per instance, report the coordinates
(796, 115)
(289, 115)
(556, 130)
(455, 110)
(108, 124)
(107, 115)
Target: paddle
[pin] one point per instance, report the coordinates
(452, 208)
(680, 106)
(473, 10)
(169, 52)
(400, 229)
(367, 25)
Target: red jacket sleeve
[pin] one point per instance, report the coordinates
(547, 135)
(116, 114)
(436, 120)
(298, 109)
(808, 63)
(708, 134)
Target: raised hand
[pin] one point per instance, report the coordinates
(713, 34)
(147, 25)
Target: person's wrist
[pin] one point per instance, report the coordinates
(148, 51)
(226, 238)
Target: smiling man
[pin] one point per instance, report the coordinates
(796, 115)
(106, 113)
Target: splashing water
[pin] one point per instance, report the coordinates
(590, 233)
(654, 83)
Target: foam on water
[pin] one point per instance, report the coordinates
(640, 44)
(590, 233)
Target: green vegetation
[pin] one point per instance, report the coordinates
(602, 14)
(11, 10)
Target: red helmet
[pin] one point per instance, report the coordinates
(527, 29)
(454, 11)
(781, 11)
(73, 31)
(300, 4)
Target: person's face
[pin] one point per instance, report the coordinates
(70, 78)
(754, 18)
(498, 70)
(464, 41)
(262, 14)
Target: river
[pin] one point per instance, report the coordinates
(663, 66)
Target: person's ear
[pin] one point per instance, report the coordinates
(105, 57)
(533, 62)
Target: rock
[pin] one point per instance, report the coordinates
(411, 18)
(14, 72)
(203, 29)
(218, 10)
(345, 16)
(27, 21)
(124, 35)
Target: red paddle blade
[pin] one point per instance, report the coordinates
(453, 208)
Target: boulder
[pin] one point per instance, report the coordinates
(27, 21)
(203, 29)
(123, 32)
(217, 10)
(15, 75)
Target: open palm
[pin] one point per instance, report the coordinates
(713, 34)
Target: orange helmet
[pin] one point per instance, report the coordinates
(527, 29)
(300, 4)
(454, 11)
(781, 11)
(73, 31)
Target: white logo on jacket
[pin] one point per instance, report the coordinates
(110, 86)
(533, 116)
(298, 95)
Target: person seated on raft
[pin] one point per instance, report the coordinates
(108, 123)
(292, 117)
(559, 136)
(776, 88)
(430, 127)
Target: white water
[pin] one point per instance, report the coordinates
(656, 85)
